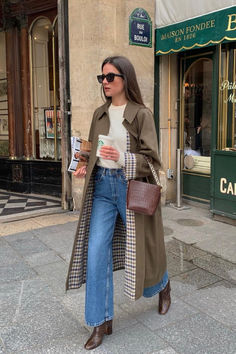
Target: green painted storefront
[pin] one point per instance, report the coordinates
(206, 49)
(223, 184)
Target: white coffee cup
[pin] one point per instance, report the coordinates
(103, 140)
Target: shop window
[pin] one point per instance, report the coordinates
(197, 115)
(233, 106)
(3, 99)
(227, 99)
(45, 90)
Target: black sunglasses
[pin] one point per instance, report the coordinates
(109, 77)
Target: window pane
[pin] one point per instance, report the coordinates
(227, 98)
(197, 115)
(234, 107)
(43, 63)
(223, 100)
(3, 99)
(57, 90)
(57, 64)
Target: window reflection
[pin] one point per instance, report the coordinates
(45, 81)
(227, 99)
(3, 99)
(234, 110)
(198, 113)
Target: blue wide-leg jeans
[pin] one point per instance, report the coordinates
(109, 199)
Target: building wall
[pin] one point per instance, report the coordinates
(98, 29)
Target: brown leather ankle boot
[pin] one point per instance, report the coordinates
(164, 300)
(97, 336)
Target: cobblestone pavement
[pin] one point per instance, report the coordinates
(37, 316)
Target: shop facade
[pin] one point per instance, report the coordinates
(196, 58)
(46, 98)
(187, 80)
(30, 121)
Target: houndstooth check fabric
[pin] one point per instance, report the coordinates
(130, 255)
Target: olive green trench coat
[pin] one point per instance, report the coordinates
(138, 246)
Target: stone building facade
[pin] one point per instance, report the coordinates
(98, 29)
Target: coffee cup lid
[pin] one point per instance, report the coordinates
(100, 136)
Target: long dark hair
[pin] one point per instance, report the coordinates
(125, 67)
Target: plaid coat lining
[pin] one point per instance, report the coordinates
(130, 255)
(124, 240)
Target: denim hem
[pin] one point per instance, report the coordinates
(95, 324)
(158, 291)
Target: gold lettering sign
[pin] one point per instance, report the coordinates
(232, 19)
(188, 32)
(227, 85)
(210, 29)
(227, 187)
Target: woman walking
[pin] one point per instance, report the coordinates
(109, 236)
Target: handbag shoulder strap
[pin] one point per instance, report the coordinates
(154, 172)
(155, 176)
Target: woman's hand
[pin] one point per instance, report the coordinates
(81, 172)
(109, 153)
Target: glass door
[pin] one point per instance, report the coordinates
(196, 124)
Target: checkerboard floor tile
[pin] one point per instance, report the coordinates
(14, 203)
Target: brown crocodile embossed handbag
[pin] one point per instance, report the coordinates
(144, 197)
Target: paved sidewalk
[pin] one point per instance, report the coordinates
(195, 226)
(37, 316)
